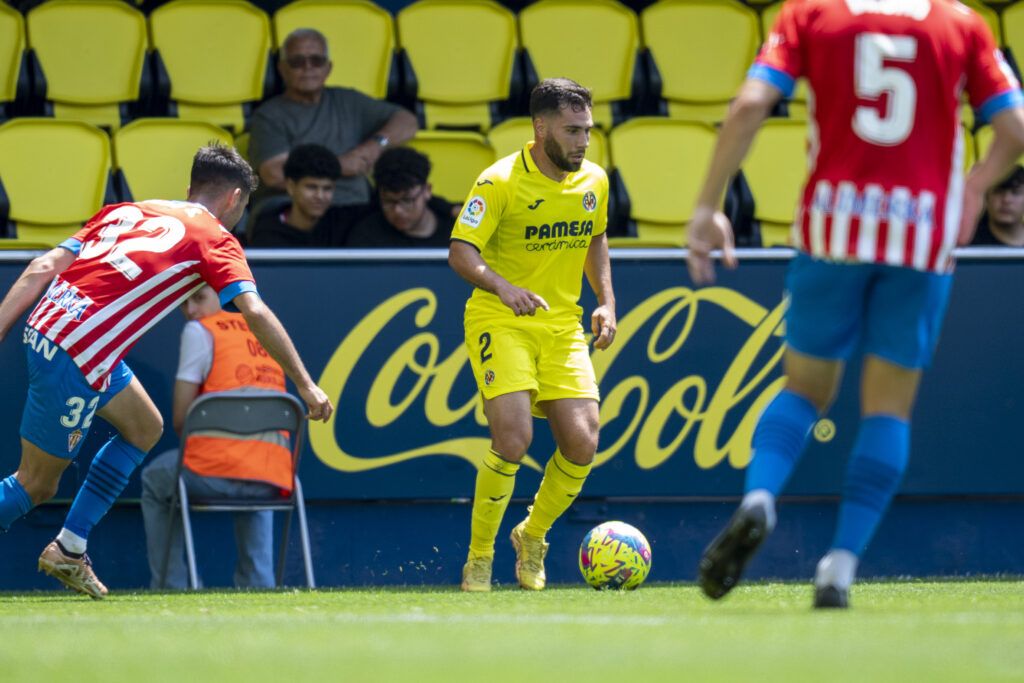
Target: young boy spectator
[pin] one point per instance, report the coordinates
(309, 220)
(409, 215)
(1002, 225)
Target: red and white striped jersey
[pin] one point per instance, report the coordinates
(136, 263)
(885, 141)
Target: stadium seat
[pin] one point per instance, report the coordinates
(600, 51)
(776, 169)
(456, 157)
(700, 51)
(241, 413)
(14, 83)
(459, 57)
(153, 157)
(216, 54)
(56, 175)
(512, 134)
(90, 59)
(659, 167)
(1013, 30)
(360, 40)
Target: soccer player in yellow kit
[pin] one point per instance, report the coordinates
(531, 227)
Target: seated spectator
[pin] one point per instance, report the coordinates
(309, 219)
(1002, 224)
(354, 126)
(218, 353)
(409, 214)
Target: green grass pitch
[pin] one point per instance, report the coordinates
(901, 631)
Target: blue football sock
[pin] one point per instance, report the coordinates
(779, 440)
(873, 474)
(14, 501)
(107, 477)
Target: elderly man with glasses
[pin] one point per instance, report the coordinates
(354, 126)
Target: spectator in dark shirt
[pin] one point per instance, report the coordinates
(1002, 224)
(408, 215)
(309, 219)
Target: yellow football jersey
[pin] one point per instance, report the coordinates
(534, 231)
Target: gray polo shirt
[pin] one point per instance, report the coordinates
(341, 120)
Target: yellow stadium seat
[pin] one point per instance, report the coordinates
(512, 134)
(215, 53)
(797, 105)
(360, 40)
(92, 55)
(970, 148)
(456, 158)
(154, 156)
(462, 53)
(661, 164)
(56, 175)
(702, 50)
(12, 50)
(776, 169)
(242, 144)
(600, 51)
(1013, 30)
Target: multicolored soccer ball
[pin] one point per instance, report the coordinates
(615, 555)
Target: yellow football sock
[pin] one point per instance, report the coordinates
(494, 484)
(563, 480)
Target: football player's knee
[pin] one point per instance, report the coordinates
(512, 446)
(39, 489)
(145, 436)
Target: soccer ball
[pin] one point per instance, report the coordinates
(615, 555)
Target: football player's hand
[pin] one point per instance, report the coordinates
(317, 403)
(708, 230)
(602, 324)
(521, 301)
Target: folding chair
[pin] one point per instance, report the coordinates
(243, 412)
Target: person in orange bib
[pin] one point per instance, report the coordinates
(218, 353)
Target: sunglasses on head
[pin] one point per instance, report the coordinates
(300, 61)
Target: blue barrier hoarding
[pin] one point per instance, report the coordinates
(681, 388)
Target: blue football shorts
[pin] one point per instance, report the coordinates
(61, 405)
(894, 313)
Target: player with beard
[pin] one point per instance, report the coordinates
(532, 226)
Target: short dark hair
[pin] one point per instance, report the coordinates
(311, 161)
(219, 167)
(400, 168)
(552, 94)
(1011, 182)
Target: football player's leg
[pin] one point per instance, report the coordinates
(139, 425)
(574, 424)
(511, 426)
(35, 482)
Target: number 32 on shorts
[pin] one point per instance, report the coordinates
(76, 406)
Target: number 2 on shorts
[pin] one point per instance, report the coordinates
(485, 341)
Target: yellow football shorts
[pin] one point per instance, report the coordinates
(549, 361)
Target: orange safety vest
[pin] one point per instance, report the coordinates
(239, 361)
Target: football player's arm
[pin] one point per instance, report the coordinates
(30, 285)
(184, 394)
(271, 334)
(709, 228)
(598, 268)
(1007, 146)
(465, 260)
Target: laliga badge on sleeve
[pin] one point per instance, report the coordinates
(474, 212)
